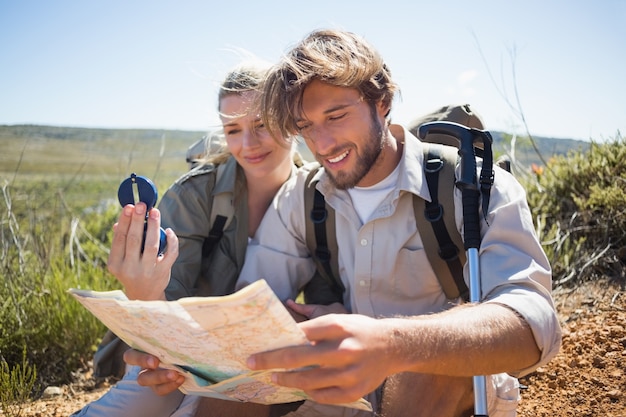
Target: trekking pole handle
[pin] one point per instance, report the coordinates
(471, 219)
(466, 137)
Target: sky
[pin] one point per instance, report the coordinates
(557, 67)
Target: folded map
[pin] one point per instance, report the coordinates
(208, 339)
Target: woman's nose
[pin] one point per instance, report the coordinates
(250, 139)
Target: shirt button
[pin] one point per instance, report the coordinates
(363, 242)
(362, 283)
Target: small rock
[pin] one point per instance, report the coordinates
(50, 392)
(614, 395)
(599, 362)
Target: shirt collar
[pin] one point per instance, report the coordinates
(411, 177)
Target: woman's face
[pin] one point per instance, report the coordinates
(247, 139)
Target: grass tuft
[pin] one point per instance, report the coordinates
(16, 385)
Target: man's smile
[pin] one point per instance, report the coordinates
(338, 158)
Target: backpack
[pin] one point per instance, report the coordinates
(435, 219)
(210, 143)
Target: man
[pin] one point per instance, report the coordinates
(406, 347)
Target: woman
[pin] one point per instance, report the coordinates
(253, 167)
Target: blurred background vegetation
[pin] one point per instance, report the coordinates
(59, 202)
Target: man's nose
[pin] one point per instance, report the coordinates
(322, 141)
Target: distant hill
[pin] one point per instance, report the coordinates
(37, 149)
(525, 153)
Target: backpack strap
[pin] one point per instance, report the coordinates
(486, 173)
(436, 218)
(321, 237)
(221, 215)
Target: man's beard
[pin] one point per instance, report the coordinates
(364, 162)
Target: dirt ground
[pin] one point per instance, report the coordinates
(587, 378)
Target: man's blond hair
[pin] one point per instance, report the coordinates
(336, 57)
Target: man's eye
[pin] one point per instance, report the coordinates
(337, 117)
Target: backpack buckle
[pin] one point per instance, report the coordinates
(318, 215)
(449, 252)
(487, 178)
(323, 254)
(433, 165)
(433, 212)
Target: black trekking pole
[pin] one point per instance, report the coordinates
(471, 221)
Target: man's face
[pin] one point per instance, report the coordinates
(343, 132)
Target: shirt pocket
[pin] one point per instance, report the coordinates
(413, 277)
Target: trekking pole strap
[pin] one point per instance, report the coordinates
(486, 173)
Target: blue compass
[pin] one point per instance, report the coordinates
(135, 189)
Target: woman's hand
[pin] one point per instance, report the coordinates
(302, 312)
(161, 381)
(143, 275)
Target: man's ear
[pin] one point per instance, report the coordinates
(383, 107)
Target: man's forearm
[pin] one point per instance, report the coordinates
(464, 341)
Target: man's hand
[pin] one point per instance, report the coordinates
(349, 357)
(143, 275)
(350, 354)
(162, 381)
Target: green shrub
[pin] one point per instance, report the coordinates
(579, 205)
(58, 202)
(44, 252)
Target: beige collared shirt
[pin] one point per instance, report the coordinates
(382, 263)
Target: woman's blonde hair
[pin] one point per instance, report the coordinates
(336, 57)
